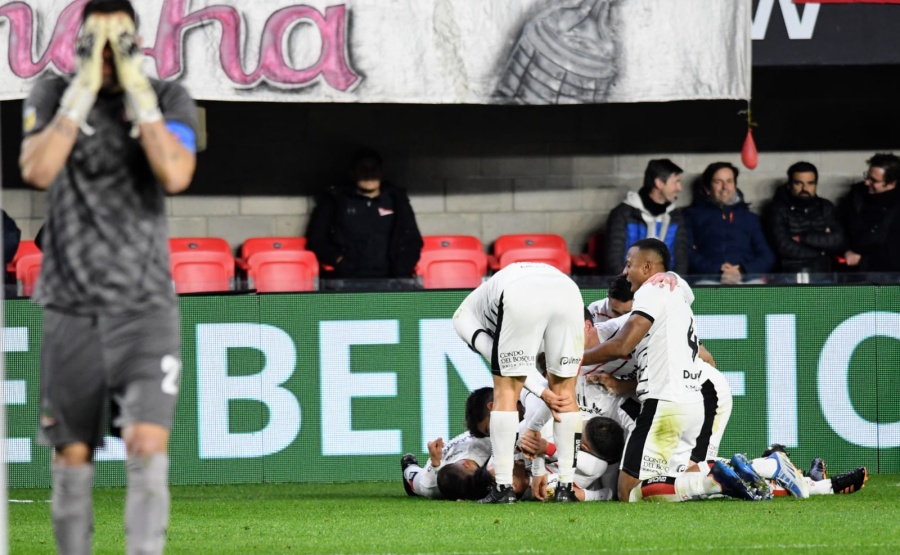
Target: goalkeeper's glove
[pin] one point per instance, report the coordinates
(81, 94)
(141, 101)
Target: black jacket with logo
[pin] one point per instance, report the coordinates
(373, 237)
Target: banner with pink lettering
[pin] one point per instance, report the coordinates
(411, 51)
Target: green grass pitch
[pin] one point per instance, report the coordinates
(379, 518)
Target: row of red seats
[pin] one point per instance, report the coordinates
(459, 261)
(282, 264)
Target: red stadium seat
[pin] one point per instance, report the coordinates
(594, 253)
(200, 271)
(283, 271)
(432, 242)
(451, 268)
(528, 240)
(555, 257)
(177, 244)
(451, 262)
(26, 247)
(261, 244)
(28, 268)
(531, 247)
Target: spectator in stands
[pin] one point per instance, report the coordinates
(871, 216)
(803, 228)
(727, 237)
(367, 229)
(649, 212)
(11, 236)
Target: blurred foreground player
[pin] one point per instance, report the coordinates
(108, 143)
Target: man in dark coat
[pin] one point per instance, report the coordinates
(366, 230)
(871, 216)
(727, 237)
(804, 230)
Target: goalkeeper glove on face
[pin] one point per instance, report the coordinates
(80, 96)
(141, 101)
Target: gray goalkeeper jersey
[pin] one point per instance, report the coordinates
(105, 242)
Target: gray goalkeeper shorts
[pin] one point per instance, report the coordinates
(103, 373)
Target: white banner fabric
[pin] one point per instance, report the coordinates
(412, 51)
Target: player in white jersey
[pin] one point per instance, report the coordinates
(469, 453)
(617, 302)
(661, 333)
(506, 319)
(423, 481)
(594, 396)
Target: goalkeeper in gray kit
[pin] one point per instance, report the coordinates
(108, 144)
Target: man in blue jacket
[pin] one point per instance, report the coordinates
(650, 212)
(727, 237)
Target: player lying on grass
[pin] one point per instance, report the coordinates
(469, 451)
(816, 479)
(460, 469)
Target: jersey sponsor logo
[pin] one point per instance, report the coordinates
(653, 464)
(515, 357)
(569, 360)
(385, 211)
(691, 376)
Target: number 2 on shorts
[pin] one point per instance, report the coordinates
(171, 367)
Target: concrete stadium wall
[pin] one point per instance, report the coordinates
(546, 190)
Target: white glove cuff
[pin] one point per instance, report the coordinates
(76, 104)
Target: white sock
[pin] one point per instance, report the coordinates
(696, 485)
(564, 435)
(604, 494)
(765, 467)
(504, 429)
(822, 487)
(411, 471)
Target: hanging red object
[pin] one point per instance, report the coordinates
(749, 154)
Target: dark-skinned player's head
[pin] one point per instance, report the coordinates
(645, 259)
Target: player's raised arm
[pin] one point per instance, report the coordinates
(168, 151)
(622, 344)
(45, 152)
